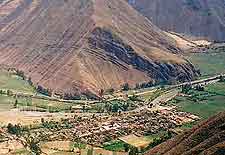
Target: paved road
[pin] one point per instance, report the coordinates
(137, 94)
(202, 81)
(165, 97)
(27, 117)
(173, 92)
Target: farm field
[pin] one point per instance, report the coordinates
(115, 145)
(203, 103)
(10, 81)
(209, 63)
(138, 142)
(28, 111)
(142, 143)
(66, 148)
(8, 102)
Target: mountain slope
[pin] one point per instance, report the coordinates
(77, 46)
(206, 138)
(201, 18)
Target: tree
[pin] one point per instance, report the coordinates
(44, 91)
(21, 74)
(125, 87)
(16, 103)
(125, 106)
(14, 129)
(79, 145)
(115, 107)
(35, 147)
(137, 86)
(10, 128)
(101, 93)
(30, 81)
(33, 143)
(68, 96)
(222, 79)
(108, 107)
(134, 98)
(156, 141)
(126, 147)
(133, 151)
(9, 93)
(100, 108)
(186, 88)
(83, 108)
(42, 120)
(146, 84)
(199, 88)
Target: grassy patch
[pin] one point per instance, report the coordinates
(154, 136)
(188, 125)
(78, 145)
(209, 63)
(114, 146)
(203, 103)
(115, 105)
(53, 106)
(153, 95)
(13, 82)
(6, 103)
(21, 152)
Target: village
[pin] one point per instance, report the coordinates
(128, 118)
(98, 129)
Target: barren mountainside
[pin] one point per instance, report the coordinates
(206, 138)
(79, 46)
(201, 18)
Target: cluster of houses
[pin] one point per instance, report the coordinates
(175, 116)
(97, 130)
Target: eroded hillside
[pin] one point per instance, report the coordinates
(206, 138)
(80, 46)
(201, 18)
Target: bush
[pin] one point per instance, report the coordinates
(15, 129)
(144, 85)
(30, 81)
(134, 98)
(222, 79)
(1, 92)
(42, 90)
(125, 87)
(68, 96)
(21, 74)
(133, 151)
(199, 88)
(9, 93)
(186, 88)
(115, 107)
